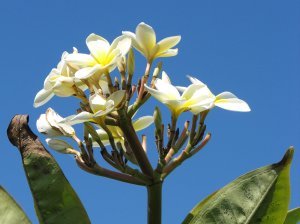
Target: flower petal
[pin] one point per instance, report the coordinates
(87, 72)
(142, 123)
(117, 97)
(49, 79)
(97, 102)
(78, 118)
(104, 86)
(98, 46)
(146, 37)
(64, 87)
(165, 78)
(198, 98)
(181, 88)
(167, 89)
(191, 90)
(162, 97)
(79, 60)
(44, 127)
(229, 101)
(195, 80)
(123, 43)
(168, 53)
(42, 97)
(134, 42)
(109, 108)
(200, 107)
(54, 120)
(167, 43)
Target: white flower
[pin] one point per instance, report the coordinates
(103, 57)
(144, 40)
(100, 107)
(50, 125)
(195, 98)
(225, 100)
(59, 82)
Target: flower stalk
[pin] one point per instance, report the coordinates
(154, 203)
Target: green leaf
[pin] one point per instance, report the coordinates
(54, 198)
(10, 211)
(259, 197)
(293, 216)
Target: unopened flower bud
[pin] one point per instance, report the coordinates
(157, 70)
(130, 63)
(61, 146)
(122, 64)
(157, 119)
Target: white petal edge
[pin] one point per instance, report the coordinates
(168, 53)
(146, 37)
(195, 80)
(42, 97)
(134, 42)
(167, 43)
(229, 101)
(79, 118)
(79, 60)
(123, 43)
(98, 46)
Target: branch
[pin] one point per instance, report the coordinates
(134, 143)
(185, 154)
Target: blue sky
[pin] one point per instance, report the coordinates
(251, 48)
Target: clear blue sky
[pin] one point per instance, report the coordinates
(251, 48)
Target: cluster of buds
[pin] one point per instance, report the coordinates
(108, 105)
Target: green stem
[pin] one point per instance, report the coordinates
(134, 143)
(154, 203)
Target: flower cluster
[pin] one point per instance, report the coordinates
(108, 103)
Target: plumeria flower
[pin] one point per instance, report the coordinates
(225, 100)
(100, 107)
(103, 57)
(59, 82)
(195, 98)
(144, 40)
(50, 125)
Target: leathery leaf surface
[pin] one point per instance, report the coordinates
(259, 197)
(10, 211)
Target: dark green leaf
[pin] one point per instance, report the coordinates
(259, 197)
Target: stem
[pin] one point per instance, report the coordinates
(185, 154)
(172, 131)
(134, 143)
(100, 171)
(109, 83)
(144, 81)
(154, 203)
